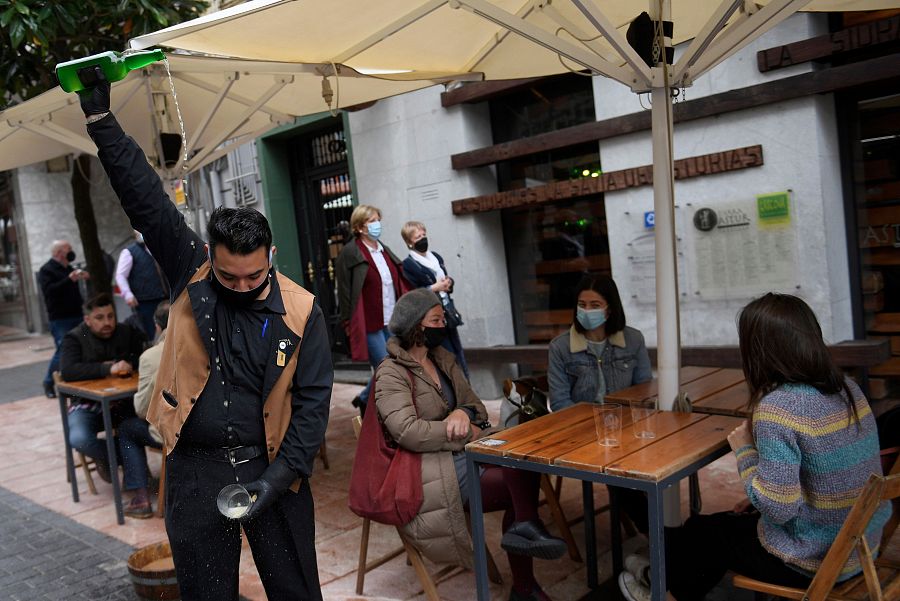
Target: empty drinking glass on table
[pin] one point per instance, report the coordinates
(608, 422)
(643, 418)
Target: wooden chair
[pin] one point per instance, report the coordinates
(414, 557)
(880, 578)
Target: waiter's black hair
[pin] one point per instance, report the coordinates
(241, 231)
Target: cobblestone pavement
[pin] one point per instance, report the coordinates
(44, 555)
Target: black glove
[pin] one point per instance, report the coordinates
(95, 99)
(264, 491)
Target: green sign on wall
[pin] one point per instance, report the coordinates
(773, 208)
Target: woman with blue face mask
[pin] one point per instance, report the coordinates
(599, 354)
(369, 281)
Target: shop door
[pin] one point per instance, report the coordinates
(323, 201)
(872, 134)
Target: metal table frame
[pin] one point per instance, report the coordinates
(654, 490)
(71, 389)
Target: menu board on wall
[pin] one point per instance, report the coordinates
(743, 248)
(641, 256)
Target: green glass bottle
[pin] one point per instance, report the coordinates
(115, 65)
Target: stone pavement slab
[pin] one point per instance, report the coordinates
(44, 555)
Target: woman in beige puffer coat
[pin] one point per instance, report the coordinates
(445, 416)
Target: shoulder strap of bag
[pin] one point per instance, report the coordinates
(412, 385)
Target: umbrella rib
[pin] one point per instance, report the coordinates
(497, 38)
(235, 97)
(59, 134)
(207, 118)
(228, 146)
(388, 30)
(157, 141)
(736, 37)
(615, 39)
(705, 37)
(124, 100)
(223, 135)
(549, 41)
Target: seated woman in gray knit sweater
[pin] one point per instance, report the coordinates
(806, 456)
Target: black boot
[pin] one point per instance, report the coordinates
(359, 404)
(49, 390)
(531, 538)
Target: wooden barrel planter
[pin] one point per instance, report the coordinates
(153, 573)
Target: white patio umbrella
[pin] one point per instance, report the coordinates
(550, 36)
(223, 103)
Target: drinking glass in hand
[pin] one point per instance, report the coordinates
(234, 501)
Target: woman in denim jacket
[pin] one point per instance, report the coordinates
(599, 354)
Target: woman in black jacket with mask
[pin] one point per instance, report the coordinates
(425, 269)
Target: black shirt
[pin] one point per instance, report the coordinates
(61, 295)
(229, 411)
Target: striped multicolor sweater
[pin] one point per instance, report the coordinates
(809, 464)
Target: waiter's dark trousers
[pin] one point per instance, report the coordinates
(206, 546)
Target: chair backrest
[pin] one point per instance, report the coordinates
(852, 537)
(357, 426)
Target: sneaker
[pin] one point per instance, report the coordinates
(531, 538)
(639, 567)
(49, 390)
(139, 509)
(631, 589)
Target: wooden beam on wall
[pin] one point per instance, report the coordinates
(483, 90)
(707, 164)
(875, 70)
(859, 37)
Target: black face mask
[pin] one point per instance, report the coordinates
(237, 298)
(70, 256)
(434, 336)
(421, 244)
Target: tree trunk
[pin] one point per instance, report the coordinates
(87, 226)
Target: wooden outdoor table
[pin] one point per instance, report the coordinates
(564, 443)
(711, 390)
(105, 391)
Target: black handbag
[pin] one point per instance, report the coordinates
(451, 315)
(532, 401)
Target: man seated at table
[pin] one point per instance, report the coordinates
(135, 433)
(95, 349)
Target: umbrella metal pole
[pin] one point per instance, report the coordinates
(668, 343)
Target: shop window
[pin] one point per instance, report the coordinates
(548, 249)
(876, 184)
(549, 246)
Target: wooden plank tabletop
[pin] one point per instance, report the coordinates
(647, 390)
(710, 384)
(104, 387)
(595, 457)
(568, 439)
(729, 401)
(667, 455)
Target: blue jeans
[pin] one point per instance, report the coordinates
(375, 342)
(145, 310)
(83, 428)
(453, 344)
(58, 329)
(133, 435)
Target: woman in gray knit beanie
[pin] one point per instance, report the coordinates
(426, 404)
